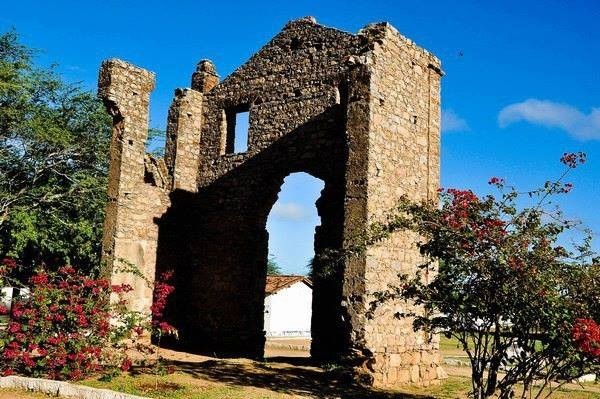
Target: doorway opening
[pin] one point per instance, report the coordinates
(292, 224)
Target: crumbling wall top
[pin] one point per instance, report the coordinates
(205, 77)
(118, 78)
(377, 32)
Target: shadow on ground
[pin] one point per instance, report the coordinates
(294, 376)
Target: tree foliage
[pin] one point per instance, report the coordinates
(521, 305)
(273, 268)
(53, 163)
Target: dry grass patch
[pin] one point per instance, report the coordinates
(17, 394)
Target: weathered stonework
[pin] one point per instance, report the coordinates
(361, 112)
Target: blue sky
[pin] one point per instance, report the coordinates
(522, 81)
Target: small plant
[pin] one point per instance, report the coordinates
(71, 326)
(61, 329)
(160, 327)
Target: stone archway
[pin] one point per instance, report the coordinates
(220, 238)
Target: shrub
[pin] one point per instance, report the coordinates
(68, 327)
(504, 282)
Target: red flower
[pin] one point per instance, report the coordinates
(166, 329)
(14, 327)
(76, 375)
(122, 288)
(27, 360)
(39, 279)
(126, 365)
(572, 159)
(81, 319)
(586, 335)
(67, 270)
(11, 353)
(9, 263)
(496, 181)
(63, 338)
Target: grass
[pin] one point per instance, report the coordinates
(179, 386)
(452, 387)
(450, 347)
(18, 394)
(458, 387)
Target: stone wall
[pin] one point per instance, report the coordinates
(130, 234)
(403, 153)
(360, 112)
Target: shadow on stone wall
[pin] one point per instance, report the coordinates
(217, 243)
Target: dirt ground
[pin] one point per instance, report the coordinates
(14, 394)
(287, 347)
(289, 373)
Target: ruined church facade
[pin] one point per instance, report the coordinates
(359, 111)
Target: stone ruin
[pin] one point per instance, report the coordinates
(359, 111)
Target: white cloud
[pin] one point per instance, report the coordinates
(290, 211)
(451, 122)
(553, 115)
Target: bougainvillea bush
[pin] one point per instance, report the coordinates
(498, 276)
(70, 326)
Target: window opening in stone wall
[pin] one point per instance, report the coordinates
(238, 123)
(291, 225)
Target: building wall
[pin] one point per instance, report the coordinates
(404, 152)
(361, 112)
(293, 88)
(288, 311)
(139, 185)
(130, 234)
(6, 296)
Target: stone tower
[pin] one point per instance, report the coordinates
(360, 112)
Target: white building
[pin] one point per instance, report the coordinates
(288, 306)
(6, 296)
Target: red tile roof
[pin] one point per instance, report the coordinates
(277, 283)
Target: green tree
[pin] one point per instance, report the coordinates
(523, 307)
(53, 164)
(273, 268)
